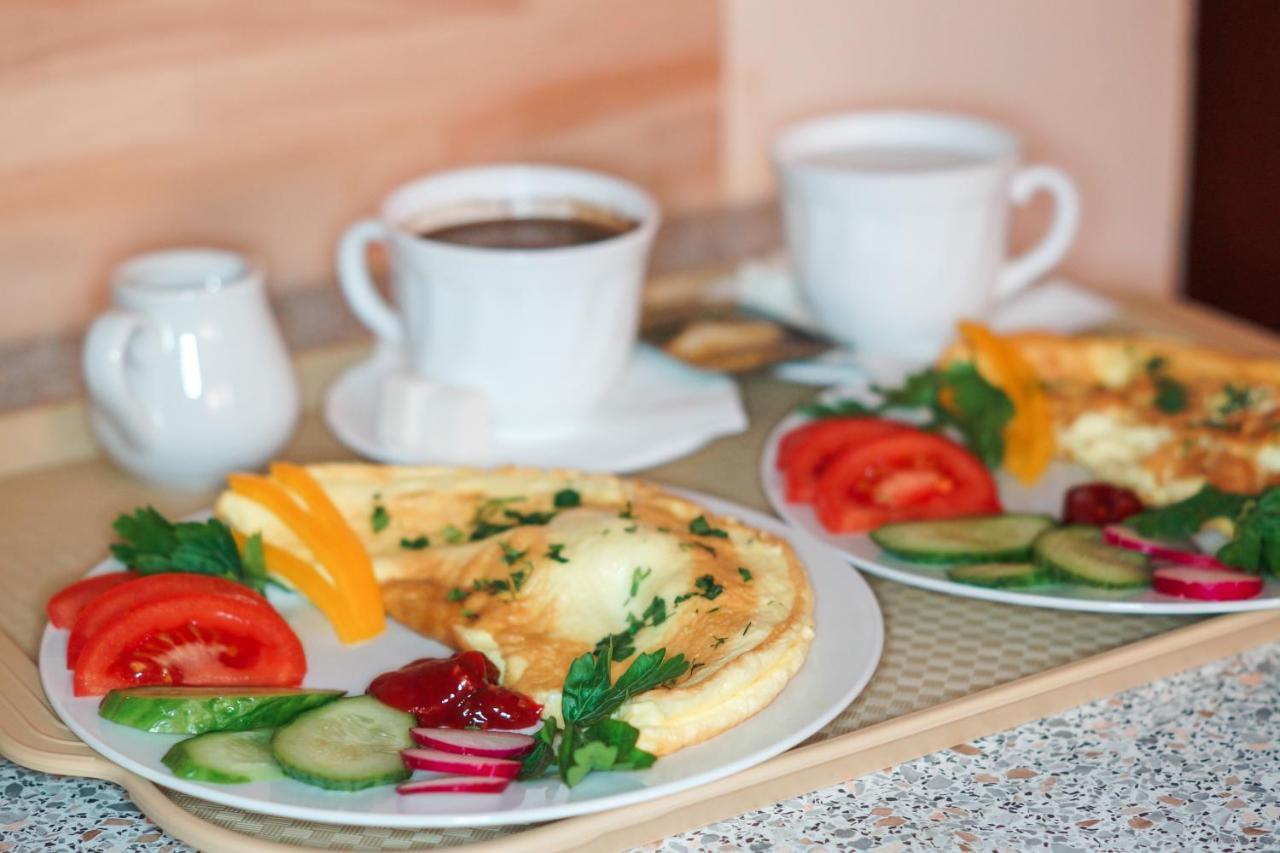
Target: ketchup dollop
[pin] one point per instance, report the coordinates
(1099, 503)
(457, 692)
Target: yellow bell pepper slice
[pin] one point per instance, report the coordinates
(325, 547)
(357, 564)
(1028, 437)
(307, 580)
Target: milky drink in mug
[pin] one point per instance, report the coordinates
(521, 282)
(897, 224)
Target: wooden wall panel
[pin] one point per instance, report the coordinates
(129, 124)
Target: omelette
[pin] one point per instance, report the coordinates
(1156, 415)
(535, 568)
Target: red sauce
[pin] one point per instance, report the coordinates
(1099, 503)
(458, 692)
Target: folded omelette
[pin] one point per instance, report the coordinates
(534, 568)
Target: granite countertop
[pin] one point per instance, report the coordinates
(1188, 762)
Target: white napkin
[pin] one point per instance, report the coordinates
(767, 287)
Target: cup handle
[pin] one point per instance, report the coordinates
(357, 285)
(1046, 254)
(103, 361)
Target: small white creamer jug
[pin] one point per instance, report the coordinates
(187, 372)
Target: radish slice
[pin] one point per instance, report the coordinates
(467, 765)
(469, 742)
(1205, 584)
(455, 785)
(1123, 537)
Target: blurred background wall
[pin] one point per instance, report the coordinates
(269, 126)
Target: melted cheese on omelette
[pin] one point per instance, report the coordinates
(541, 584)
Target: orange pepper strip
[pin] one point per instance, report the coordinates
(308, 581)
(327, 551)
(358, 566)
(1029, 442)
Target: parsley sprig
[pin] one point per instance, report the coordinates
(955, 397)
(590, 739)
(151, 544)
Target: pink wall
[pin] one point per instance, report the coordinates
(1098, 87)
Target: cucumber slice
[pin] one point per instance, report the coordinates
(347, 745)
(195, 710)
(226, 758)
(1077, 553)
(1001, 575)
(977, 539)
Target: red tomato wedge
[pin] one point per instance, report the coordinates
(67, 604)
(819, 443)
(912, 475)
(200, 639)
(120, 600)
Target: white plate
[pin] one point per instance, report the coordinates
(659, 410)
(1045, 496)
(843, 657)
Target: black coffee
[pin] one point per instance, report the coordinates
(529, 233)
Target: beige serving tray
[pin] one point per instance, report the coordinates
(953, 669)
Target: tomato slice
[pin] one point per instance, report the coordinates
(911, 475)
(820, 442)
(199, 639)
(115, 603)
(67, 604)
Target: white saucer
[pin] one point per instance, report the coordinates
(660, 409)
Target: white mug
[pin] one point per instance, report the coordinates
(541, 333)
(897, 223)
(187, 373)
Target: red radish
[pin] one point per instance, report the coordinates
(1123, 537)
(454, 785)
(1205, 584)
(471, 742)
(467, 765)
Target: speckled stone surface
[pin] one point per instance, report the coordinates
(1190, 762)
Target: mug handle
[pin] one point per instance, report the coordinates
(103, 361)
(1046, 254)
(357, 285)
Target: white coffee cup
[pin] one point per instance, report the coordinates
(543, 333)
(187, 373)
(897, 223)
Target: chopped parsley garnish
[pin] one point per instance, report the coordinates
(746, 574)
(453, 535)
(631, 528)
(518, 578)
(458, 594)
(638, 575)
(566, 498)
(1171, 395)
(624, 642)
(626, 513)
(1235, 399)
(510, 555)
(379, 518)
(470, 614)
(490, 585)
(529, 517)
(151, 544)
(719, 641)
(701, 527)
(706, 587)
(414, 544)
(746, 629)
(556, 552)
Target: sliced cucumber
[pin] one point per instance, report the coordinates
(1077, 553)
(195, 710)
(227, 758)
(1001, 575)
(347, 745)
(977, 539)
